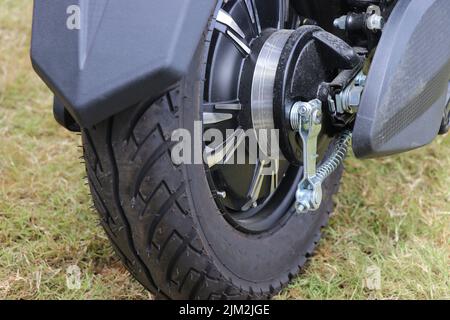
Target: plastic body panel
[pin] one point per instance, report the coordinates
(405, 96)
(117, 53)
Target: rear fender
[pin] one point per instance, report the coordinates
(406, 91)
(100, 57)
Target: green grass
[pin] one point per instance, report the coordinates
(392, 214)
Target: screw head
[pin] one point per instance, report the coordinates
(303, 110)
(222, 194)
(300, 208)
(317, 117)
(375, 22)
(354, 99)
(361, 80)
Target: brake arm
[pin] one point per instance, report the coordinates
(306, 117)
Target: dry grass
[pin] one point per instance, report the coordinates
(392, 214)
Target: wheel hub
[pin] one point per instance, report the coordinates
(288, 69)
(256, 70)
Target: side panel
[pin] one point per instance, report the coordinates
(405, 96)
(102, 56)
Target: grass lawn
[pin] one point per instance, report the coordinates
(389, 239)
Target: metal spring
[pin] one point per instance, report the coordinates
(336, 158)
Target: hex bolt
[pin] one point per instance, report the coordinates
(303, 110)
(350, 99)
(317, 117)
(222, 194)
(300, 208)
(360, 80)
(354, 98)
(375, 22)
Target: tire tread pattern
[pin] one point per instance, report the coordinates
(142, 200)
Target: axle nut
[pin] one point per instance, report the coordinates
(375, 22)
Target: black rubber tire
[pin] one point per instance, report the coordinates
(163, 221)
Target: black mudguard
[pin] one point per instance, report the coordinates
(406, 92)
(102, 56)
(124, 52)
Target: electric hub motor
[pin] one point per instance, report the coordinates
(255, 88)
(290, 67)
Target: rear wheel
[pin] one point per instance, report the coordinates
(214, 230)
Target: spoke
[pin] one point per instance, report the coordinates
(242, 46)
(252, 13)
(284, 13)
(228, 106)
(275, 175)
(255, 12)
(224, 18)
(212, 118)
(224, 152)
(233, 31)
(255, 187)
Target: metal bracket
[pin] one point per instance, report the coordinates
(306, 117)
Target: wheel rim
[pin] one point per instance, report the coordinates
(249, 198)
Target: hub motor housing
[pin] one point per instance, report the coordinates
(290, 67)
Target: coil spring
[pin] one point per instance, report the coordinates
(336, 158)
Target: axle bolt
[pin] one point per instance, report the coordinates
(317, 117)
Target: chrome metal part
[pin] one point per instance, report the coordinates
(253, 14)
(239, 43)
(228, 106)
(222, 194)
(374, 9)
(255, 187)
(306, 117)
(348, 100)
(264, 81)
(214, 117)
(224, 18)
(336, 158)
(375, 20)
(233, 31)
(223, 151)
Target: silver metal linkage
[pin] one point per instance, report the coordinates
(306, 117)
